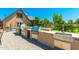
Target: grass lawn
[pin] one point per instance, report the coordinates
(76, 30)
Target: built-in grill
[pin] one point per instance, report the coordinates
(35, 32)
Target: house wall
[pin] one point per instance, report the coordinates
(12, 20)
(12, 23)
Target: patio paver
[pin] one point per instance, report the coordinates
(15, 42)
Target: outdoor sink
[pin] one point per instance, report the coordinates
(63, 36)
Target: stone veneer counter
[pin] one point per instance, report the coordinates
(60, 41)
(50, 38)
(74, 35)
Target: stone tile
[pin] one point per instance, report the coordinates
(14, 42)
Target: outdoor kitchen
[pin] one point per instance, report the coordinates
(62, 40)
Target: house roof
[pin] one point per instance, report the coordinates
(13, 14)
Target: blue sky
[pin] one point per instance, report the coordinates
(67, 13)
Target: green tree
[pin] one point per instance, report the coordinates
(70, 25)
(45, 22)
(70, 22)
(77, 23)
(33, 23)
(57, 18)
(36, 22)
(58, 22)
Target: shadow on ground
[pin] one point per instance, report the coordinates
(33, 41)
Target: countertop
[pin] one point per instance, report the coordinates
(74, 35)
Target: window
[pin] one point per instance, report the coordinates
(19, 15)
(19, 24)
